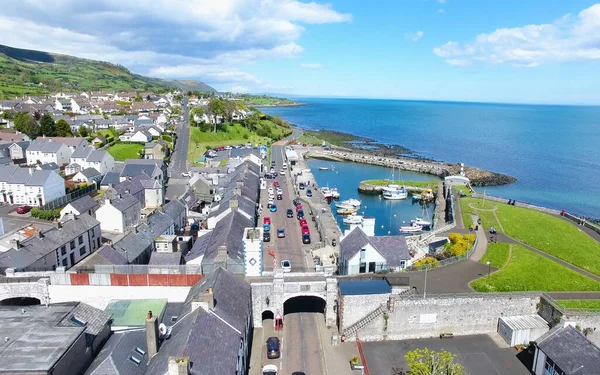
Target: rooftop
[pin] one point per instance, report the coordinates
(570, 350)
(362, 287)
(132, 313)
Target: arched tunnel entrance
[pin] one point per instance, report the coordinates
(20, 301)
(304, 304)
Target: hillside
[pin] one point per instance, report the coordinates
(28, 72)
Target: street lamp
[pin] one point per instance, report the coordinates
(489, 267)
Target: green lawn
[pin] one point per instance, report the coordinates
(464, 189)
(122, 151)
(588, 304)
(310, 140)
(133, 312)
(484, 212)
(497, 254)
(528, 271)
(423, 184)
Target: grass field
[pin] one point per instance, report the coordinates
(122, 151)
(310, 140)
(497, 254)
(528, 271)
(544, 232)
(423, 184)
(588, 304)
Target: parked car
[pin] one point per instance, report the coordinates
(296, 201)
(267, 220)
(305, 230)
(282, 172)
(300, 214)
(269, 370)
(273, 348)
(303, 222)
(279, 197)
(267, 236)
(23, 209)
(298, 207)
(286, 265)
(280, 233)
(306, 238)
(273, 208)
(266, 227)
(309, 193)
(290, 212)
(276, 183)
(284, 166)
(271, 191)
(301, 186)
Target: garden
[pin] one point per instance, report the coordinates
(123, 151)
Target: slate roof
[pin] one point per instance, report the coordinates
(161, 259)
(44, 145)
(135, 243)
(228, 232)
(13, 137)
(69, 141)
(111, 178)
(174, 209)
(95, 319)
(124, 202)
(393, 248)
(570, 350)
(15, 175)
(159, 223)
(90, 173)
(48, 166)
(112, 255)
(84, 204)
(82, 152)
(113, 359)
(130, 170)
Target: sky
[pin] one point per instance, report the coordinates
(526, 51)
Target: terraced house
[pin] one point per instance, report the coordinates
(29, 186)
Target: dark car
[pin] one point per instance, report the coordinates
(273, 351)
(306, 238)
(298, 373)
(296, 201)
(309, 193)
(23, 209)
(301, 186)
(267, 236)
(279, 197)
(290, 212)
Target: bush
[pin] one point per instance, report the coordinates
(428, 261)
(45, 214)
(459, 244)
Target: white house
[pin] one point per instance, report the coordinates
(44, 150)
(360, 253)
(140, 135)
(154, 130)
(72, 168)
(116, 215)
(162, 102)
(87, 175)
(17, 150)
(83, 205)
(29, 186)
(88, 157)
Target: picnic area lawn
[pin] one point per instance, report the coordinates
(542, 231)
(528, 271)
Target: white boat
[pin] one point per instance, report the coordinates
(326, 192)
(353, 219)
(394, 192)
(350, 202)
(421, 222)
(335, 194)
(411, 228)
(346, 210)
(323, 169)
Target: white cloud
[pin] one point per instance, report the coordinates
(277, 87)
(569, 39)
(415, 36)
(441, 10)
(312, 66)
(239, 89)
(203, 39)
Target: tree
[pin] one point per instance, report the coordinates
(47, 126)
(426, 362)
(83, 131)
(216, 108)
(25, 123)
(63, 129)
(229, 108)
(138, 98)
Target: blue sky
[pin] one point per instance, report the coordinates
(529, 51)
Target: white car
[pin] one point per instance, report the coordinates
(269, 370)
(284, 166)
(186, 174)
(282, 171)
(286, 265)
(271, 191)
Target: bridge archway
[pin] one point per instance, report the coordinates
(20, 301)
(310, 303)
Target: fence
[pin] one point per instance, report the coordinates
(149, 269)
(63, 201)
(447, 261)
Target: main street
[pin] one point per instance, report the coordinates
(179, 156)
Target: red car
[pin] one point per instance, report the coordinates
(275, 183)
(303, 222)
(23, 209)
(298, 207)
(267, 220)
(305, 230)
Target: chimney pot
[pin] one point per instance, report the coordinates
(151, 335)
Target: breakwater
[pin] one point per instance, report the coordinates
(478, 177)
(367, 188)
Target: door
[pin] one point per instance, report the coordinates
(371, 266)
(72, 259)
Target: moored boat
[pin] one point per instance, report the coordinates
(335, 194)
(350, 202)
(421, 222)
(346, 210)
(411, 228)
(353, 219)
(394, 192)
(323, 169)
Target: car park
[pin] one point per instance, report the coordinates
(267, 236)
(273, 348)
(273, 208)
(280, 233)
(286, 265)
(23, 210)
(290, 212)
(306, 238)
(309, 193)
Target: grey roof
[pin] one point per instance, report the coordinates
(104, 122)
(124, 202)
(199, 247)
(111, 178)
(90, 172)
(112, 255)
(174, 209)
(96, 156)
(16, 259)
(132, 185)
(135, 243)
(21, 175)
(151, 184)
(73, 165)
(84, 204)
(39, 178)
(393, 248)
(570, 350)
(40, 335)
(113, 359)
(28, 176)
(190, 199)
(44, 145)
(161, 259)
(82, 152)
(130, 170)
(49, 166)
(159, 223)
(69, 141)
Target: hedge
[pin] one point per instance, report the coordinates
(45, 214)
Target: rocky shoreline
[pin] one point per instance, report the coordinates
(478, 177)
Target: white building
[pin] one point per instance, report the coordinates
(88, 157)
(116, 215)
(140, 135)
(29, 186)
(44, 150)
(253, 251)
(83, 205)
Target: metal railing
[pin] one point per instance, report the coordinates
(447, 261)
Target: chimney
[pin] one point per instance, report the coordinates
(40, 234)
(58, 224)
(17, 244)
(233, 204)
(151, 335)
(205, 300)
(119, 196)
(31, 171)
(179, 366)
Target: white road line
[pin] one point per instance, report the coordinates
(321, 348)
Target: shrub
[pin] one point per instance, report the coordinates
(459, 244)
(428, 261)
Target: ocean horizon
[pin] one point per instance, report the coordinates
(552, 150)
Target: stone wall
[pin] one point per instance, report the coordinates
(518, 204)
(587, 322)
(467, 314)
(354, 308)
(37, 289)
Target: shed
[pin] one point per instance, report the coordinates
(520, 330)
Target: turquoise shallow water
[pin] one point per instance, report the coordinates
(389, 215)
(553, 151)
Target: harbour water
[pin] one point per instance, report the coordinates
(553, 151)
(389, 215)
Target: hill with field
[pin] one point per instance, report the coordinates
(29, 72)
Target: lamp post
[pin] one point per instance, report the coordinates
(489, 268)
(425, 287)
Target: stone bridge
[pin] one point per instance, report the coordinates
(18, 287)
(270, 294)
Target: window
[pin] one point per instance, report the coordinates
(98, 242)
(81, 240)
(402, 264)
(140, 351)
(363, 254)
(72, 244)
(64, 262)
(135, 360)
(82, 251)
(63, 250)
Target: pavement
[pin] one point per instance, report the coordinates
(479, 354)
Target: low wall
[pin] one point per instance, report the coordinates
(518, 204)
(587, 322)
(581, 221)
(468, 314)
(116, 279)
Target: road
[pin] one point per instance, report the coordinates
(179, 156)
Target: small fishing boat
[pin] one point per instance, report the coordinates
(335, 194)
(394, 192)
(323, 168)
(350, 202)
(326, 192)
(353, 219)
(346, 210)
(413, 228)
(421, 222)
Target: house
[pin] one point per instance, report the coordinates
(156, 169)
(139, 135)
(177, 211)
(88, 157)
(148, 191)
(83, 205)
(72, 169)
(61, 246)
(153, 130)
(104, 123)
(156, 150)
(360, 253)
(162, 102)
(29, 186)
(143, 107)
(203, 187)
(142, 121)
(62, 104)
(565, 351)
(154, 195)
(48, 167)
(99, 141)
(88, 175)
(120, 213)
(59, 338)
(17, 150)
(44, 150)
(71, 142)
(8, 135)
